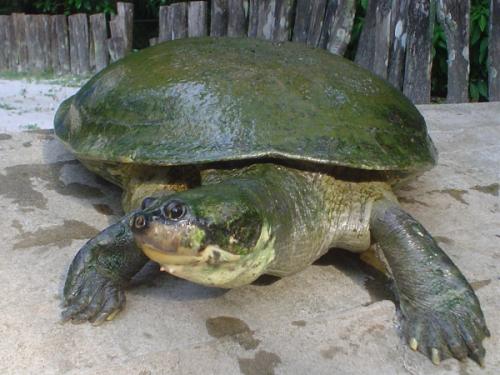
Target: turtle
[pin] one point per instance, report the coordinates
(240, 157)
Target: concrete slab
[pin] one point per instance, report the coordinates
(30, 104)
(335, 317)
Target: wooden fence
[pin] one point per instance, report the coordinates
(395, 43)
(77, 44)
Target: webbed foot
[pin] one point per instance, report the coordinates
(454, 329)
(442, 316)
(94, 288)
(89, 296)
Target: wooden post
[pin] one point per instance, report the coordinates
(270, 19)
(91, 50)
(126, 24)
(35, 54)
(454, 17)
(197, 18)
(236, 19)
(179, 20)
(366, 44)
(10, 43)
(317, 16)
(99, 36)
(44, 35)
(38, 42)
(116, 48)
(494, 52)
(418, 64)
(165, 25)
(283, 15)
(337, 27)
(20, 53)
(79, 44)
(301, 26)
(116, 44)
(6, 42)
(382, 38)
(59, 44)
(32, 45)
(121, 28)
(266, 19)
(395, 72)
(253, 18)
(218, 18)
(374, 43)
(309, 21)
(4, 56)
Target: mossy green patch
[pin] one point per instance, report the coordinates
(204, 100)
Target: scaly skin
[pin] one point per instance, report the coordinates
(99, 272)
(276, 220)
(442, 317)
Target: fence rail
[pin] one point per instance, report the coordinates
(395, 43)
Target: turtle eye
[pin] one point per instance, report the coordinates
(148, 201)
(175, 210)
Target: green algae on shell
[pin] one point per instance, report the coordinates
(202, 100)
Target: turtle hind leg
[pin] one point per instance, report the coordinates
(441, 315)
(94, 287)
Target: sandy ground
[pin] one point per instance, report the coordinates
(26, 105)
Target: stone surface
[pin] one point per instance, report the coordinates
(335, 317)
(31, 105)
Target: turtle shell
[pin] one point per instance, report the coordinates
(205, 100)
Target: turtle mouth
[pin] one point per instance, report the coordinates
(178, 245)
(210, 254)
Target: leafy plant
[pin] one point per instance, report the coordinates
(361, 7)
(71, 6)
(439, 76)
(480, 13)
(153, 6)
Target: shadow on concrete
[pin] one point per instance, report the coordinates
(378, 285)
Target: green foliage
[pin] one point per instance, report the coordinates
(144, 9)
(439, 77)
(150, 8)
(480, 13)
(154, 5)
(361, 7)
(478, 87)
(73, 6)
(479, 17)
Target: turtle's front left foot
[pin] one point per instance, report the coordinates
(442, 317)
(448, 326)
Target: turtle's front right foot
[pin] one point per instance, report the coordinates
(94, 288)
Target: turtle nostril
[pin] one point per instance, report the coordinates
(139, 222)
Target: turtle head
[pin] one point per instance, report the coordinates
(212, 235)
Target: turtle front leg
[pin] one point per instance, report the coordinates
(441, 315)
(94, 288)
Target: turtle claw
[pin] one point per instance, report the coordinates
(441, 335)
(435, 356)
(413, 344)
